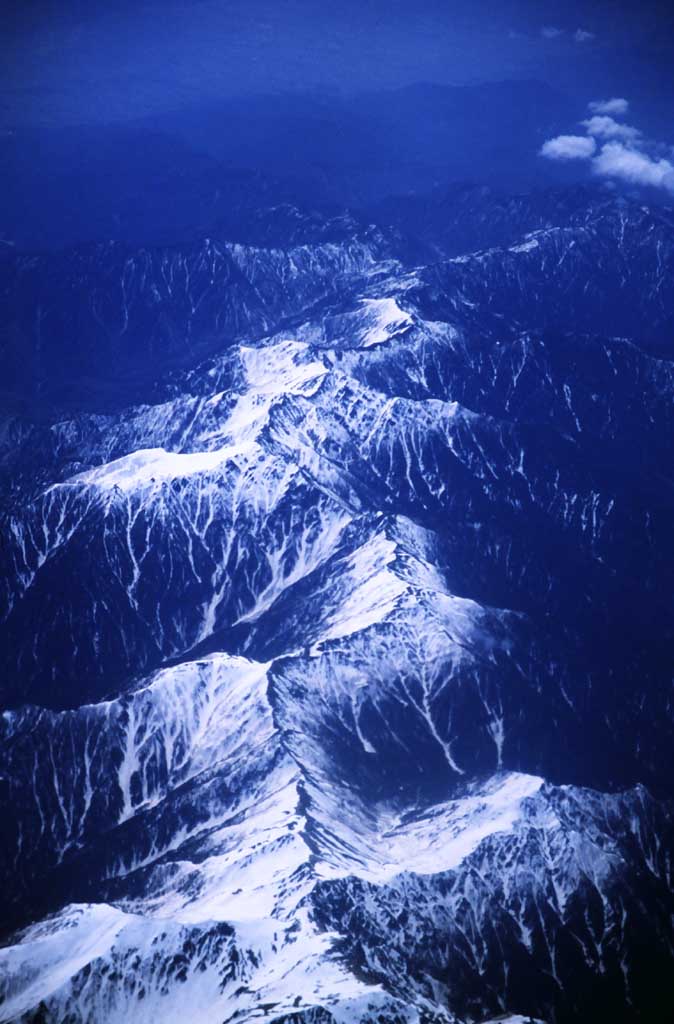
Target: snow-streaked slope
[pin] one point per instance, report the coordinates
(214, 824)
(332, 675)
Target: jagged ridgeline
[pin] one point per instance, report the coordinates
(336, 591)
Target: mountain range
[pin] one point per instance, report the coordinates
(337, 561)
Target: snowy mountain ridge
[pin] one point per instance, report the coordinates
(329, 721)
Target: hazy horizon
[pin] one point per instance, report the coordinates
(86, 64)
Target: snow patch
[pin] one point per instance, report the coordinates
(152, 465)
(384, 319)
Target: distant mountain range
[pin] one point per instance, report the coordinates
(178, 177)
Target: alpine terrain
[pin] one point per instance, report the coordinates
(337, 573)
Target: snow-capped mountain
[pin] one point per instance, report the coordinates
(336, 610)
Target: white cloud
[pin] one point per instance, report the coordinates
(551, 32)
(569, 147)
(581, 35)
(617, 105)
(625, 155)
(618, 161)
(604, 127)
